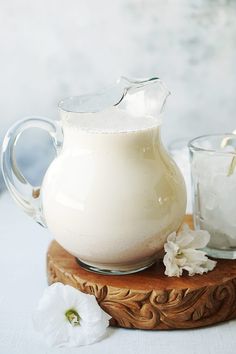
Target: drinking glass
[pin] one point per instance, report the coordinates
(213, 168)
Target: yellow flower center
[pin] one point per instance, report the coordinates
(73, 317)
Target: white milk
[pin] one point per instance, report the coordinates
(113, 194)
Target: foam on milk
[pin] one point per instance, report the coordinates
(111, 120)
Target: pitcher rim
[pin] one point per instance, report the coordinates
(133, 82)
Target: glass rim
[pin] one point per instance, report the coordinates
(193, 147)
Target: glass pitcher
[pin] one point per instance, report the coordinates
(113, 194)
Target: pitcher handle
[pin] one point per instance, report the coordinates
(26, 195)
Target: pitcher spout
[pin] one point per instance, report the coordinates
(146, 97)
(127, 105)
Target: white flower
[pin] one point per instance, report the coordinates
(68, 317)
(182, 253)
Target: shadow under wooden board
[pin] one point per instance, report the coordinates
(149, 299)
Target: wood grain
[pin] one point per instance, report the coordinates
(149, 299)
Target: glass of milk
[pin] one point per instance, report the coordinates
(213, 167)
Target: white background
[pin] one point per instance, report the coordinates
(50, 49)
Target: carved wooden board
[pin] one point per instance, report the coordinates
(149, 299)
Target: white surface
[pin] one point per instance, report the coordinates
(51, 49)
(23, 246)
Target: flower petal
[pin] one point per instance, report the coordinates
(171, 248)
(71, 296)
(210, 264)
(201, 239)
(89, 310)
(171, 237)
(57, 336)
(51, 320)
(182, 253)
(172, 269)
(197, 262)
(197, 238)
(193, 256)
(51, 302)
